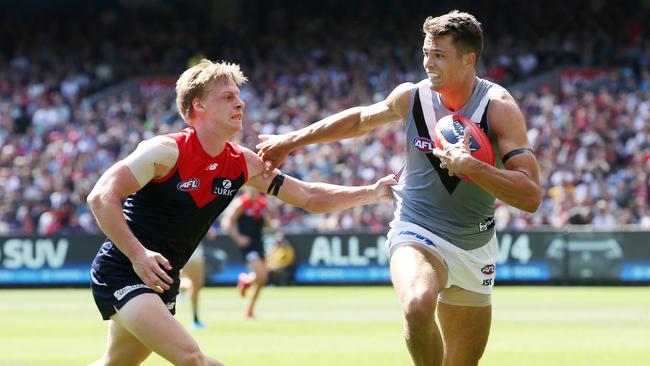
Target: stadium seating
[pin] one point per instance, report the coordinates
(64, 117)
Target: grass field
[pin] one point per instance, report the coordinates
(354, 326)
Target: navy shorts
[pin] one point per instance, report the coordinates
(254, 251)
(115, 283)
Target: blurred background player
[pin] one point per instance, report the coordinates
(245, 223)
(193, 279)
(280, 261)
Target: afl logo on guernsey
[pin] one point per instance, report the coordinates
(189, 185)
(423, 144)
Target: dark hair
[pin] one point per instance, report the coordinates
(465, 30)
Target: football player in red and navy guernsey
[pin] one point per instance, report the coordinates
(175, 186)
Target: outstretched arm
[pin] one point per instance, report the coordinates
(314, 197)
(151, 159)
(352, 122)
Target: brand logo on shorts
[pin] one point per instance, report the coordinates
(119, 294)
(488, 270)
(170, 305)
(189, 185)
(423, 144)
(427, 241)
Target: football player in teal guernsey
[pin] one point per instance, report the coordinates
(442, 244)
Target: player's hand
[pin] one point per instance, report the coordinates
(243, 241)
(151, 267)
(382, 187)
(273, 150)
(455, 157)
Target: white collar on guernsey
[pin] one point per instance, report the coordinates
(426, 100)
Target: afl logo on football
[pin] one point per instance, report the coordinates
(227, 184)
(423, 144)
(188, 185)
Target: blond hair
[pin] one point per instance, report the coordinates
(465, 30)
(196, 81)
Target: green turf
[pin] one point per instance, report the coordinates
(343, 326)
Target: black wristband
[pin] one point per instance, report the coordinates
(275, 185)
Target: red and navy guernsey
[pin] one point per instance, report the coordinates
(172, 214)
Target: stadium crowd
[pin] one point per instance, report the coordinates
(591, 139)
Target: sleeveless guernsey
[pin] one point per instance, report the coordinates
(172, 214)
(457, 211)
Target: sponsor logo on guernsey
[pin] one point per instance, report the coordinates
(119, 294)
(486, 224)
(189, 185)
(212, 166)
(223, 188)
(488, 270)
(423, 144)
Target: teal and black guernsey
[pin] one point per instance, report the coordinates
(456, 210)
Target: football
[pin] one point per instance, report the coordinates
(451, 128)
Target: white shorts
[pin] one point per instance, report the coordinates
(473, 270)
